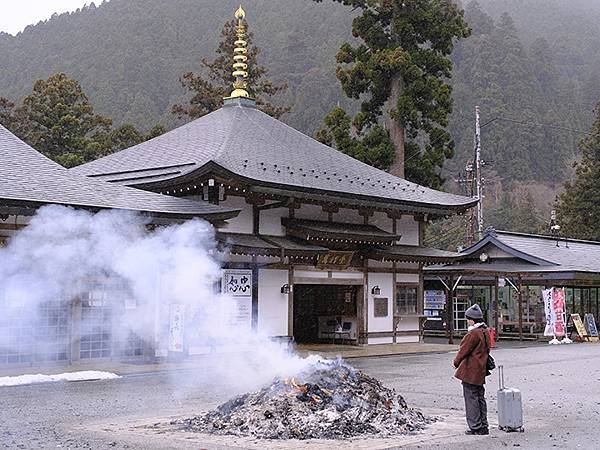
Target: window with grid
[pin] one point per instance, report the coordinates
(406, 300)
(96, 325)
(39, 334)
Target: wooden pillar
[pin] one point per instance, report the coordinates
(496, 308)
(363, 307)
(291, 302)
(520, 300)
(254, 293)
(450, 314)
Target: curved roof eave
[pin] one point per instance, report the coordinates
(264, 186)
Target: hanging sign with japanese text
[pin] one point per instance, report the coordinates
(336, 260)
(237, 283)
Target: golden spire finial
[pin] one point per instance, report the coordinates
(240, 14)
(240, 58)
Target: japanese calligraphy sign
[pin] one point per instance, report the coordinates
(237, 283)
(335, 260)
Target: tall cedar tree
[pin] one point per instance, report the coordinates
(58, 120)
(399, 70)
(210, 87)
(578, 206)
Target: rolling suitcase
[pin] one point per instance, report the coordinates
(510, 407)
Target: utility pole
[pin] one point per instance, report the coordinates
(470, 193)
(478, 178)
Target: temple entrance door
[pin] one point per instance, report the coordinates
(325, 313)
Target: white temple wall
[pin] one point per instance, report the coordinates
(272, 304)
(270, 221)
(243, 222)
(385, 281)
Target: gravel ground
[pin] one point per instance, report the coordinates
(561, 396)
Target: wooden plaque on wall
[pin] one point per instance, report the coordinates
(380, 307)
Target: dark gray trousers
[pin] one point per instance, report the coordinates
(475, 406)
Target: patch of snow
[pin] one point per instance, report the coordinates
(86, 375)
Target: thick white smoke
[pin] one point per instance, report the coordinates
(64, 254)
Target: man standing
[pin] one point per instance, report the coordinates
(471, 363)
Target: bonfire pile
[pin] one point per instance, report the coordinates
(332, 401)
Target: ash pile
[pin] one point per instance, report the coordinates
(332, 400)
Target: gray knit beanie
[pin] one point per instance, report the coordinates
(474, 312)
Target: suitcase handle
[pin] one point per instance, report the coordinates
(500, 377)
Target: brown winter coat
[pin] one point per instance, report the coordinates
(471, 360)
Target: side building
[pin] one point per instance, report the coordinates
(505, 273)
(68, 330)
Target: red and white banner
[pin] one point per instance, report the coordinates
(558, 305)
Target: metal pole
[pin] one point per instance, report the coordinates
(478, 180)
(520, 298)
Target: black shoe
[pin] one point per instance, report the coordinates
(478, 432)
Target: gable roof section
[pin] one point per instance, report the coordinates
(250, 144)
(28, 178)
(533, 253)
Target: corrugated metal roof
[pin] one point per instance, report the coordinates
(28, 178)
(251, 144)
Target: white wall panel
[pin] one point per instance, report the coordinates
(385, 283)
(270, 221)
(243, 222)
(272, 304)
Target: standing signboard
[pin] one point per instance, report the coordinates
(576, 318)
(237, 284)
(590, 326)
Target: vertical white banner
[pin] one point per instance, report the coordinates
(548, 307)
(176, 328)
(237, 284)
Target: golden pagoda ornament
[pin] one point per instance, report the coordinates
(240, 58)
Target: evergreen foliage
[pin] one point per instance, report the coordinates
(579, 205)
(58, 120)
(399, 71)
(209, 88)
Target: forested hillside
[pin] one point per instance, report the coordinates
(529, 62)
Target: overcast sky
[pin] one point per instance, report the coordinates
(15, 15)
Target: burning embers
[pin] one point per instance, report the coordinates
(333, 401)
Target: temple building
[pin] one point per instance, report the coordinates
(324, 248)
